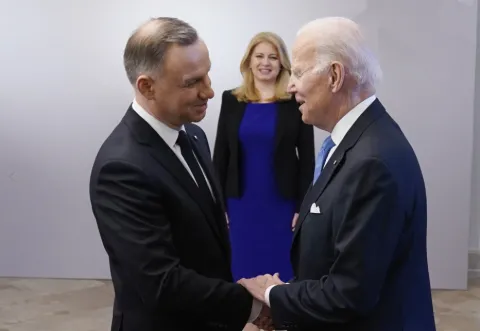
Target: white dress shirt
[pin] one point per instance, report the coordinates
(170, 135)
(338, 133)
(346, 122)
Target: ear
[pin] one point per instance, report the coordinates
(145, 86)
(337, 76)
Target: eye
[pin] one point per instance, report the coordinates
(191, 83)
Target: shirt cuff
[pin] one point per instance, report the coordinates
(267, 294)
(256, 309)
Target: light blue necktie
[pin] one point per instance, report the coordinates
(322, 156)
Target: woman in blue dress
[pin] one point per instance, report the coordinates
(264, 158)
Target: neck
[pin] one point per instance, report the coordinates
(347, 102)
(149, 108)
(265, 89)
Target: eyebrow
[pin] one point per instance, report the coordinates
(196, 76)
(191, 79)
(298, 72)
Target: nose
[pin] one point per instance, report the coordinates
(210, 94)
(207, 92)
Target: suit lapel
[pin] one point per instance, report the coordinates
(218, 213)
(238, 111)
(331, 168)
(334, 164)
(283, 119)
(169, 160)
(164, 155)
(206, 166)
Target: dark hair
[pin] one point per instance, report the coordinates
(147, 46)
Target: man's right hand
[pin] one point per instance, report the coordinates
(264, 320)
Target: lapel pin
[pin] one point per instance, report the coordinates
(334, 162)
(195, 137)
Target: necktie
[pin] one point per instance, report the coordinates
(192, 162)
(322, 156)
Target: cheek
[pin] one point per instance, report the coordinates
(317, 100)
(276, 65)
(313, 97)
(277, 70)
(304, 91)
(190, 97)
(180, 101)
(312, 91)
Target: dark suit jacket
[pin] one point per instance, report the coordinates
(361, 263)
(169, 254)
(293, 172)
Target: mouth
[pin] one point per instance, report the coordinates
(265, 71)
(299, 101)
(202, 106)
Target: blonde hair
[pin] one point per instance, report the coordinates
(247, 92)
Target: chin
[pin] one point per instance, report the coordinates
(305, 118)
(197, 118)
(266, 79)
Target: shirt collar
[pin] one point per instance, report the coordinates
(347, 121)
(168, 134)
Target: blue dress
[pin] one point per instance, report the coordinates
(260, 221)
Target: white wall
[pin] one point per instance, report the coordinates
(63, 89)
(474, 240)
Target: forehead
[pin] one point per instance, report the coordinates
(187, 61)
(303, 50)
(265, 47)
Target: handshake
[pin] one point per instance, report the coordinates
(257, 287)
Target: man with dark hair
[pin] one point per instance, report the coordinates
(153, 193)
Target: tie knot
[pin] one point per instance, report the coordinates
(182, 139)
(328, 143)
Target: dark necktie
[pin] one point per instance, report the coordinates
(193, 164)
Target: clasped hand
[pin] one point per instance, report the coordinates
(257, 287)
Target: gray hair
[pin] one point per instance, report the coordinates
(340, 39)
(147, 46)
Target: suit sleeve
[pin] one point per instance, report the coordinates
(137, 235)
(221, 151)
(306, 160)
(364, 248)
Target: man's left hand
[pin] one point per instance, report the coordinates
(258, 285)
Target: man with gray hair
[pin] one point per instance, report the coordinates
(157, 205)
(359, 249)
